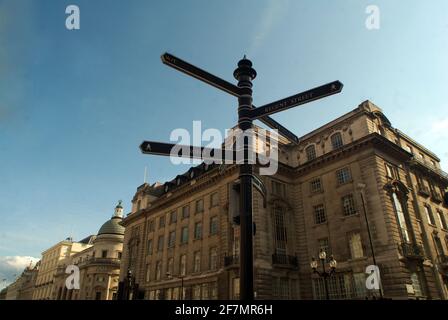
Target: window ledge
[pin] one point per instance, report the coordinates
(350, 216)
(316, 225)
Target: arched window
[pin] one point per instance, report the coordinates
(401, 218)
(336, 140)
(310, 152)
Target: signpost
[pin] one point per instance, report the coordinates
(193, 152)
(247, 113)
(297, 99)
(224, 85)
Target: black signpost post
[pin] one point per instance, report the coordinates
(247, 113)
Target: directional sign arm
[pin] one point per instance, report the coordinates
(281, 129)
(200, 74)
(165, 149)
(298, 99)
(191, 70)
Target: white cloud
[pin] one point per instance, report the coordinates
(439, 127)
(12, 266)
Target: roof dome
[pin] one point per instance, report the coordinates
(112, 227)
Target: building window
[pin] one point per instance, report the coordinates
(176, 293)
(416, 284)
(348, 205)
(278, 188)
(214, 291)
(316, 185)
(442, 219)
(160, 244)
(98, 295)
(119, 254)
(280, 230)
(197, 262)
(173, 216)
(236, 288)
(281, 288)
(310, 152)
(355, 244)
(390, 171)
(162, 222)
(172, 239)
(319, 214)
(183, 265)
(148, 273)
(198, 230)
(401, 218)
(197, 292)
(169, 294)
(343, 175)
(439, 246)
(149, 247)
(429, 215)
(205, 291)
(158, 270)
(359, 281)
(213, 225)
(199, 206)
(185, 212)
(104, 254)
(336, 141)
(151, 226)
(213, 259)
(337, 287)
(184, 236)
(170, 266)
(214, 199)
(324, 245)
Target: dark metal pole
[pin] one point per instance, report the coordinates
(370, 238)
(245, 74)
(325, 275)
(182, 290)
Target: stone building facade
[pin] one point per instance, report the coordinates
(99, 264)
(182, 239)
(51, 258)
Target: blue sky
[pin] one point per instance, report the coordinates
(75, 105)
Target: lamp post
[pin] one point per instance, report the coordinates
(130, 289)
(181, 277)
(361, 187)
(324, 274)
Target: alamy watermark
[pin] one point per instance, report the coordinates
(373, 19)
(72, 281)
(262, 147)
(373, 280)
(73, 21)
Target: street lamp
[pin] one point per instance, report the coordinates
(170, 276)
(324, 274)
(130, 291)
(361, 187)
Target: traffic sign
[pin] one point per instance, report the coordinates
(297, 99)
